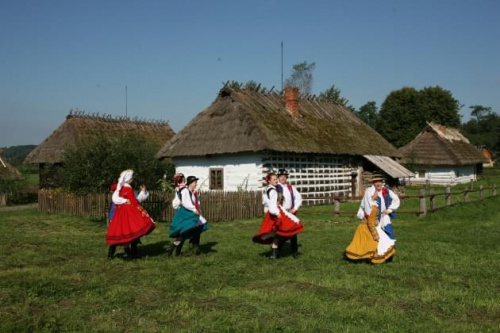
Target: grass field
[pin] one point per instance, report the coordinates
(54, 277)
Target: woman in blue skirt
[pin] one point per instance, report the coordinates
(187, 222)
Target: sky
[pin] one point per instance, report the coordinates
(167, 60)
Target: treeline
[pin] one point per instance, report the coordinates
(17, 154)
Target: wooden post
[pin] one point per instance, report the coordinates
(336, 207)
(481, 188)
(433, 200)
(466, 195)
(447, 196)
(494, 191)
(423, 209)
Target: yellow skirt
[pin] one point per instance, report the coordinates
(363, 247)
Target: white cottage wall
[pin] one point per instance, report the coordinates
(444, 175)
(240, 171)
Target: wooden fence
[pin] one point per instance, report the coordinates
(216, 206)
(3, 199)
(431, 198)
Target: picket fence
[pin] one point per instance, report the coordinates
(216, 205)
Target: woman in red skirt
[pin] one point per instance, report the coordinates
(277, 221)
(130, 221)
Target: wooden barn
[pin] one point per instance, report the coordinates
(79, 126)
(7, 171)
(441, 156)
(244, 134)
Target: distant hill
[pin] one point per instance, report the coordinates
(16, 154)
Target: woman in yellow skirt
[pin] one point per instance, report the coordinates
(371, 241)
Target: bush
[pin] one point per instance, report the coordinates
(92, 166)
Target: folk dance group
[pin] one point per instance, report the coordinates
(373, 239)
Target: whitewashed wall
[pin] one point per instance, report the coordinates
(445, 175)
(243, 170)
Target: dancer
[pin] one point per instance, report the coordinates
(374, 239)
(187, 222)
(129, 221)
(179, 184)
(277, 221)
(291, 200)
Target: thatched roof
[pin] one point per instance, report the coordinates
(248, 121)
(7, 171)
(438, 145)
(79, 126)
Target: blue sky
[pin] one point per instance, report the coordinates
(174, 55)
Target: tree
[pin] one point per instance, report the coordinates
(438, 105)
(399, 121)
(332, 95)
(302, 77)
(92, 166)
(369, 114)
(485, 129)
(479, 111)
(405, 112)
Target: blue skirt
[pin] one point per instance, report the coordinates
(186, 224)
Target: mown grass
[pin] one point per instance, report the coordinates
(54, 276)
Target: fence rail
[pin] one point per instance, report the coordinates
(422, 197)
(216, 206)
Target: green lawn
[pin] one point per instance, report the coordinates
(54, 277)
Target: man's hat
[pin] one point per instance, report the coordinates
(282, 172)
(191, 179)
(376, 177)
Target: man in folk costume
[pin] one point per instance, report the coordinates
(130, 221)
(291, 200)
(187, 222)
(277, 223)
(374, 238)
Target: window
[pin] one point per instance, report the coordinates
(421, 173)
(216, 179)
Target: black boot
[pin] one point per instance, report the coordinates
(195, 241)
(111, 252)
(295, 246)
(178, 248)
(134, 253)
(274, 254)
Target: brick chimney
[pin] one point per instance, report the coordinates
(442, 129)
(292, 100)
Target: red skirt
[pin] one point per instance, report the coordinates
(128, 223)
(273, 226)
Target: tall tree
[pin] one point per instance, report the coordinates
(404, 112)
(479, 111)
(302, 77)
(438, 105)
(399, 121)
(369, 114)
(332, 95)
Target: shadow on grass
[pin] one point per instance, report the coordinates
(154, 249)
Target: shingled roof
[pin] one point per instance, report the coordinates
(7, 171)
(249, 121)
(439, 145)
(79, 126)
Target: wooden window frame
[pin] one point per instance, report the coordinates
(213, 175)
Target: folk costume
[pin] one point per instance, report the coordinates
(186, 224)
(291, 200)
(277, 221)
(374, 239)
(130, 221)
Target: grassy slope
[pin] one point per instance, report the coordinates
(54, 277)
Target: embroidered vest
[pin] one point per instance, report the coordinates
(279, 188)
(387, 201)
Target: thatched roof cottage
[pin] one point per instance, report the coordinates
(79, 126)
(244, 134)
(441, 156)
(7, 171)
